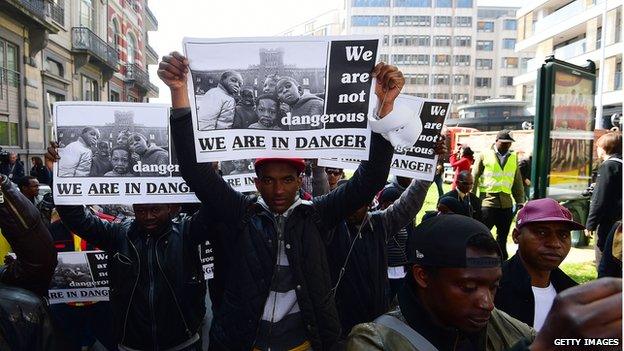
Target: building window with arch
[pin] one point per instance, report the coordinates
(117, 37)
(131, 51)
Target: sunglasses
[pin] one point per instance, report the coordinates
(334, 172)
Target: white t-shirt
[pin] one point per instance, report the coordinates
(544, 298)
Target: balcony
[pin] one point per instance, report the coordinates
(571, 50)
(564, 13)
(93, 49)
(33, 15)
(151, 22)
(56, 12)
(135, 74)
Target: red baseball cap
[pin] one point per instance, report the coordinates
(545, 210)
(298, 163)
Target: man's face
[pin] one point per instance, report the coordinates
(503, 146)
(90, 137)
(233, 83)
(278, 183)
(120, 161)
(269, 86)
(333, 176)
(32, 189)
(543, 246)
(103, 150)
(267, 112)
(122, 139)
(465, 184)
(138, 144)
(239, 165)
(12, 158)
(461, 298)
(153, 217)
(288, 92)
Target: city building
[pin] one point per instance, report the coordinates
(68, 50)
(447, 49)
(493, 115)
(574, 31)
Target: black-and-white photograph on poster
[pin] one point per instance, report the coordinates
(285, 96)
(79, 276)
(115, 153)
(419, 161)
(239, 174)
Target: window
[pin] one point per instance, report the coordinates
(483, 64)
(370, 21)
(132, 99)
(10, 96)
(461, 79)
(419, 60)
(444, 3)
(416, 21)
(386, 40)
(384, 57)
(441, 96)
(421, 95)
(506, 81)
(483, 82)
(113, 96)
(509, 43)
(442, 60)
(510, 62)
(463, 41)
(441, 79)
(483, 26)
(485, 45)
(524, 62)
(463, 21)
(305, 81)
(441, 40)
(131, 51)
(117, 38)
(464, 3)
(9, 133)
(462, 60)
(418, 79)
(412, 3)
(510, 24)
(481, 98)
(411, 40)
(87, 14)
(53, 67)
(443, 21)
(89, 89)
(460, 98)
(371, 3)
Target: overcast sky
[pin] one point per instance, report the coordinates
(234, 18)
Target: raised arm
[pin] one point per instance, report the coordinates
(320, 185)
(405, 208)
(29, 238)
(209, 187)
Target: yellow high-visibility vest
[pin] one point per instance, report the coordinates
(496, 179)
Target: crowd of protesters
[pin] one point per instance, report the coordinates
(316, 261)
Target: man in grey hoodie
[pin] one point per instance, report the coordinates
(301, 104)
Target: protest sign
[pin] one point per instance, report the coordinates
(281, 97)
(239, 174)
(418, 161)
(115, 153)
(79, 277)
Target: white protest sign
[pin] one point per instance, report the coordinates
(418, 161)
(281, 97)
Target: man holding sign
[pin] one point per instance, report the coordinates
(277, 291)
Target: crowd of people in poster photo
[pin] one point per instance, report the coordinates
(283, 202)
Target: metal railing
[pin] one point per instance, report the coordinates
(84, 39)
(56, 12)
(138, 75)
(36, 7)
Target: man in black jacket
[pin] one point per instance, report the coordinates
(25, 323)
(277, 291)
(531, 278)
(157, 285)
(463, 194)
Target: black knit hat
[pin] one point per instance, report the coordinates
(442, 241)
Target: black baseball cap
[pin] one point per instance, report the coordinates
(442, 241)
(504, 136)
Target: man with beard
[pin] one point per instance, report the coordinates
(121, 160)
(77, 156)
(245, 113)
(532, 278)
(101, 163)
(149, 154)
(267, 113)
(216, 107)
